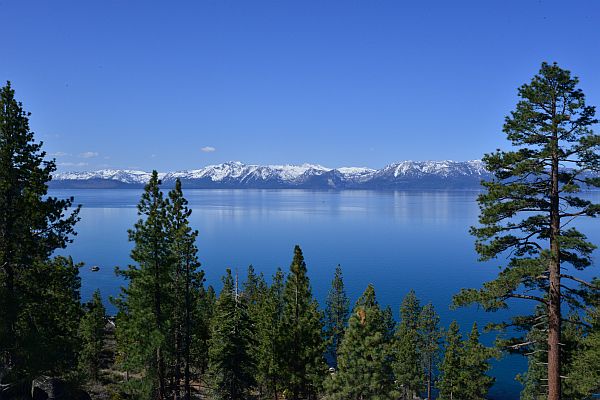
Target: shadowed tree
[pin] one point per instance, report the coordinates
(336, 314)
(407, 365)
(528, 207)
(231, 366)
(91, 334)
(32, 226)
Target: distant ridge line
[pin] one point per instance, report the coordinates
(236, 175)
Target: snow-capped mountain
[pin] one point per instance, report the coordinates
(401, 175)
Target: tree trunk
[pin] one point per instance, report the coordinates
(554, 311)
(429, 373)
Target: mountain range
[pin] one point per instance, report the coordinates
(237, 175)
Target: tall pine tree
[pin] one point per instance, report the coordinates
(430, 336)
(187, 288)
(475, 383)
(364, 365)
(302, 338)
(407, 365)
(91, 334)
(450, 383)
(144, 325)
(527, 206)
(336, 314)
(32, 226)
(269, 347)
(231, 366)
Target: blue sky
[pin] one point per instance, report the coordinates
(179, 85)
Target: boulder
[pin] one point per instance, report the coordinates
(48, 388)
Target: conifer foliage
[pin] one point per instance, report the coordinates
(231, 366)
(336, 314)
(528, 207)
(302, 340)
(159, 320)
(364, 364)
(407, 366)
(32, 226)
(91, 334)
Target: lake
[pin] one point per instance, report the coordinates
(394, 240)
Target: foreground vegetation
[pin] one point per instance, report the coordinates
(175, 338)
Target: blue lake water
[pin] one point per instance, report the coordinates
(394, 240)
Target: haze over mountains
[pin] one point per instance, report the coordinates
(400, 175)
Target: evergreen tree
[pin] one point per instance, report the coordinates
(91, 335)
(231, 366)
(474, 381)
(145, 324)
(585, 374)
(32, 226)
(364, 369)
(450, 383)
(532, 196)
(187, 289)
(200, 343)
(534, 380)
(270, 352)
(302, 339)
(336, 314)
(407, 366)
(256, 293)
(50, 314)
(429, 344)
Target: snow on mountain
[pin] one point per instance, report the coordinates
(124, 176)
(239, 175)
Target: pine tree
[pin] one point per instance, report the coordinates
(429, 344)
(302, 334)
(231, 366)
(187, 289)
(200, 343)
(364, 368)
(91, 334)
(32, 226)
(270, 352)
(48, 325)
(450, 383)
(585, 374)
(407, 365)
(526, 206)
(145, 324)
(336, 314)
(474, 381)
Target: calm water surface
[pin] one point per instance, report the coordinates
(394, 240)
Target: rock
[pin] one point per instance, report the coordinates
(48, 388)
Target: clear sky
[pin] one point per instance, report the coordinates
(181, 84)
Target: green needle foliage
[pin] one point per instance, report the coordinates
(528, 207)
(231, 366)
(336, 314)
(144, 322)
(465, 366)
(91, 335)
(32, 226)
(450, 383)
(302, 340)
(364, 365)
(188, 283)
(430, 337)
(407, 366)
(475, 383)
(585, 373)
(269, 348)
